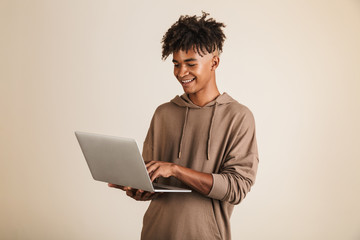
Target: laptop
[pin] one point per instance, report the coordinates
(118, 160)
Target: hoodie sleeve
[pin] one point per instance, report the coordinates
(238, 171)
(148, 149)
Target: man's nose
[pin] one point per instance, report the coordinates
(183, 71)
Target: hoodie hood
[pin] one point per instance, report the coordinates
(184, 101)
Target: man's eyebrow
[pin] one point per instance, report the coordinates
(190, 59)
(186, 60)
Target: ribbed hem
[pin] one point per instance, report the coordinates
(219, 187)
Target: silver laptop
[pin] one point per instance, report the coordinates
(118, 160)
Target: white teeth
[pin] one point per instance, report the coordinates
(187, 81)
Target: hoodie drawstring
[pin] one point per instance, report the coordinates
(211, 125)
(209, 135)
(183, 131)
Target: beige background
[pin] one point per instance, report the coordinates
(95, 66)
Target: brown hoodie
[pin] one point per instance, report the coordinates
(218, 138)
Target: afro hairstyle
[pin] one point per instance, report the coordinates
(199, 33)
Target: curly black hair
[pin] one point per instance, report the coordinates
(193, 32)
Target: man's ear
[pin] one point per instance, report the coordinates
(215, 62)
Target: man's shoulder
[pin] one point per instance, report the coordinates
(165, 108)
(239, 114)
(238, 108)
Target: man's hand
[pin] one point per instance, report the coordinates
(160, 169)
(136, 194)
(198, 181)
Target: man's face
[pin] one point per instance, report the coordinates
(194, 72)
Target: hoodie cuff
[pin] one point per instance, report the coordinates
(219, 187)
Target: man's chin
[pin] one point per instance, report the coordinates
(188, 91)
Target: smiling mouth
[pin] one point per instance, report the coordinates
(187, 81)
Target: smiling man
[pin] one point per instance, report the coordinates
(202, 139)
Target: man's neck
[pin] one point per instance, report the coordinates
(201, 99)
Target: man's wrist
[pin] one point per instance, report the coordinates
(176, 170)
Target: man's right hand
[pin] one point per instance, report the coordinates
(137, 194)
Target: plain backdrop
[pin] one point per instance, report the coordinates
(95, 65)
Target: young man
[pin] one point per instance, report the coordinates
(203, 140)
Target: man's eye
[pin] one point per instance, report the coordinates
(191, 65)
(176, 65)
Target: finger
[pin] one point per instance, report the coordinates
(147, 195)
(152, 168)
(148, 164)
(128, 189)
(116, 186)
(139, 194)
(133, 190)
(130, 193)
(155, 174)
